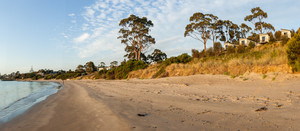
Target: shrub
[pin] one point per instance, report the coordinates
(278, 35)
(240, 49)
(184, 58)
(197, 54)
(230, 50)
(251, 45)
(218, 48)
(284, 40)
(122, 71)
(293, 52)
(210, 52)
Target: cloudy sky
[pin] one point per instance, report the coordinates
(61, 34)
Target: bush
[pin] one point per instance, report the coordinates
(284, 40)
(122, 71)
(251, 45)
(210, 52)
(293, 52)
(218, 48)
(184, 58)
(230, 50)
(240, 49)
(197, 54)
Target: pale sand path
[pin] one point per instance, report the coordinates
(200, 102)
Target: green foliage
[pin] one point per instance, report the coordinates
(183, 58)
(210, 52)
(197, 54)
(293, 52)
(251, 45)
(233, 76)
(200, 27)
(264, 76)
(256, 18)
(218, 49)
(230, 50)
(284, 40)
(134, 33)
(122, 71)
(240, 49)
(157, 56)
(227, 73)
(278, 35)
(90, 67)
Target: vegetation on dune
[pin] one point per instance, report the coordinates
(293, 52)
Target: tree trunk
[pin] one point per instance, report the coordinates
(139, 53)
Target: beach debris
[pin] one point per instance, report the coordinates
(262, 109)
(279, 105)
(142, 114)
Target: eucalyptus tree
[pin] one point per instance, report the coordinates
(113, 63)
(256, 18)
(245, 29)
(135, 34)
(231, 32)
(157, 56)
(216, 27)
(90, 67)
(199, 27)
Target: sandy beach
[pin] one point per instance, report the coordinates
(199, 102)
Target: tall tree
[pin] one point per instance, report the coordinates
(157, 56)
(256, 18)
(102, 64)
(80, 69)
(215, 27)
(90, 67)
(135, 34)
(199, 27)
(245, 29)
(113, 64)
(231, 32)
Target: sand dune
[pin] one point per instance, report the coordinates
(200, 102)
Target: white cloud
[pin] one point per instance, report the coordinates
(72, 15)
(82, 38)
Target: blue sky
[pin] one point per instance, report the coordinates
(61, 34)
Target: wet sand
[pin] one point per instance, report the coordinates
(200, 102)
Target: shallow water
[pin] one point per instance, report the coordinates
(16, 97)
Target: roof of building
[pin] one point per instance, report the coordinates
(285, 30)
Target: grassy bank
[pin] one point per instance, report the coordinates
(261, 59)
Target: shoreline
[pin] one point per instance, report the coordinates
(205, 102)
(22, 104)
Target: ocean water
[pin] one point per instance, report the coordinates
(16, 97)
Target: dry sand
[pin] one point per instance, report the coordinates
(200, 102)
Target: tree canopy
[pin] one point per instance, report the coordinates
(200, 27)
(256, 18)
(135, 35)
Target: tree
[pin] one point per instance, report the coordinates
(245, 29)
(199, 28)
(218, 48)
(278, 35)
(113, 64)
(256, 18)
(102, 64)
(135, 34)
(293, 52)
(157, 56)
(80, 69)
(215, 27)
(90, 67)
(231, 32)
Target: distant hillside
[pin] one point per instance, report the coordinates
(261, 59)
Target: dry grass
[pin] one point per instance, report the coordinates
(263, 59)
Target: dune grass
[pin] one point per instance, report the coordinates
(261, 59)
